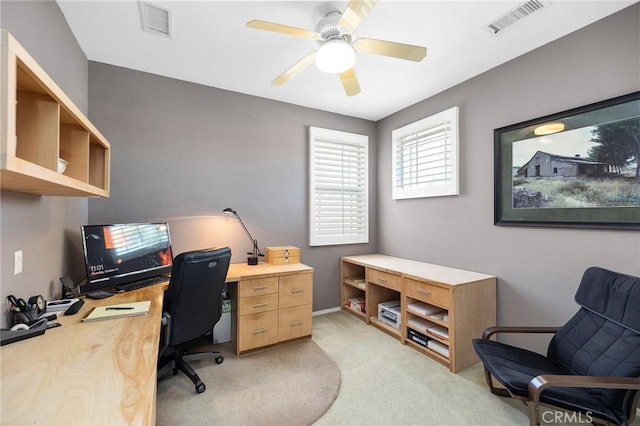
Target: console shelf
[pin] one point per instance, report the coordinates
(40, 125)
(447, 307)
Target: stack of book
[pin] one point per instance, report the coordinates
(428, 310)
(438, 347)
(357, 282)
(438, 332)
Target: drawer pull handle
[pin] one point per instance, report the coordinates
(382, 280)
(260, 305)
(421, 291)
(261, 330)
(262, 287)
(294, 290)
(295, 323)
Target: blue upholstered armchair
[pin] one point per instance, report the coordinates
(592, 365)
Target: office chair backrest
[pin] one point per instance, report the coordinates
(194, 296)
(603, 337)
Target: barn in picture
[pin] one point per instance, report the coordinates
(543, 164)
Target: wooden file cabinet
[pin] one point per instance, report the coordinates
(272, 303)
(294, 306)
(458, 304)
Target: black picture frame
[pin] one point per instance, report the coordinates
(574, 189)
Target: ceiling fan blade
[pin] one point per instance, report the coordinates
(295, 69)
(284, 29)
(355, 12)
(350, 82)
(391, 48)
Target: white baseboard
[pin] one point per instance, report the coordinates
(326, 311)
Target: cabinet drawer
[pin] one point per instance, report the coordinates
(429, 293)
(257, 330)
(384, 279)
(296, 290)
(294, 322)
(258, 286)
(255, 304)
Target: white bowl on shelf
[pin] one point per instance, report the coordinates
(62, 165)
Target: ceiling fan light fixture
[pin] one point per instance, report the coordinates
(335, 56)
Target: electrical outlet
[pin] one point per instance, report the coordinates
(17, 262)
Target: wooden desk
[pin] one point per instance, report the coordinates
(242, 271)
(103, 372)
(271, 304)
(98, 373)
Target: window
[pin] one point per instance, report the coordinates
(425, 157)
(338, 187)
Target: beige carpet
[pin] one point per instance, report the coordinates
(293, 384)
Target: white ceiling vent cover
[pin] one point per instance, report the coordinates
(155, 19)
(516, 15)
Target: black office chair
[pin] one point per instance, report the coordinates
(192, 306)
(592, 365)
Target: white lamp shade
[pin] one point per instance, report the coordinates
(335, 56)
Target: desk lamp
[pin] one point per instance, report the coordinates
(253, 259)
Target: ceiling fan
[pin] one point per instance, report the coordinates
(337, 48)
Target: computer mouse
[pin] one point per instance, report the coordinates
(74, 308)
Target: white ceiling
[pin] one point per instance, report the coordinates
(212, 46)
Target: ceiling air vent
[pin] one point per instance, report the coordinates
(155, 19)
(516, 15)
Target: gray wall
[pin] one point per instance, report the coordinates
(182, 153)
(203, 149)
(536, 280)
(46, 229)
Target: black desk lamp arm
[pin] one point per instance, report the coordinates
(256, 250)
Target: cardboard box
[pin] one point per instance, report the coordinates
(282, 255)
(357, 304)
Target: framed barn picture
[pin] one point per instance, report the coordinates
(576, 168)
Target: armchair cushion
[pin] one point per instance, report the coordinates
(512, 366)
(601, 339)
(515, 367)
(613, 295)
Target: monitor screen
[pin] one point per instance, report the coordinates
(123, 253)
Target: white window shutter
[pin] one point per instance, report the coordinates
(338, 187)
(425, 157)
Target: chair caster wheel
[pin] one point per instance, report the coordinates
(219, 360)
(200, 387)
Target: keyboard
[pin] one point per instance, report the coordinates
(142, 283)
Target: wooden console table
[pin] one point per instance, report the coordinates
(444, 305)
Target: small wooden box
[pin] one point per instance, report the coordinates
(282, 255)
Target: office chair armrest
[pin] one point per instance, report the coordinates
(486, 334)
(166, 325)
(544, 381)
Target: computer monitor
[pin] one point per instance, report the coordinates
(119, 254)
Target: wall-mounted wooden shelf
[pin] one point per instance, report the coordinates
(39, 125)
